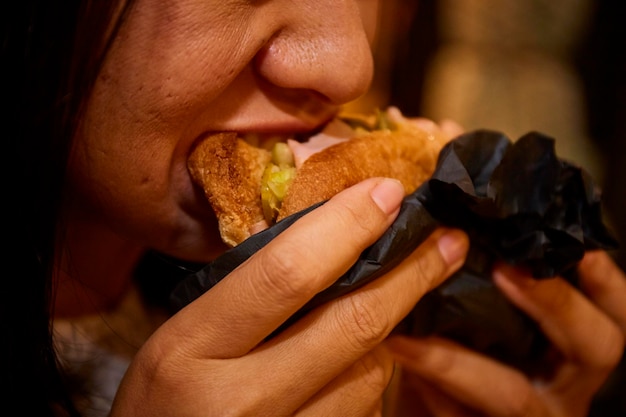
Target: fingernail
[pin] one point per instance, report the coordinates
(453, 245)
(388, 195)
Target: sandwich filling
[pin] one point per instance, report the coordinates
(287, 157)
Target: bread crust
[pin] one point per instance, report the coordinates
(229, 170)
(408, 155)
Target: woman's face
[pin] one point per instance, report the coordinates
(179, 69)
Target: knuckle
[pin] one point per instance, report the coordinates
(158, 365)
(365, 324)
(375, 370)
(423, 267)
(282, 274)
(162, 371)
(430, 269)
(253, 405)
(358, 220)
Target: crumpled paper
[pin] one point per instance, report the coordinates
(518, 202)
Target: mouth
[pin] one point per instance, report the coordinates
(268, 139)
(281, 153)
(342, 125)
(248, 176)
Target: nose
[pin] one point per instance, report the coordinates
(321, 46)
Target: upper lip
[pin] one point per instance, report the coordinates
(268, 127)
(271, 134)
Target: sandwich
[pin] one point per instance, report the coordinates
(251, 187)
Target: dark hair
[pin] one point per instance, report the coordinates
(51, 53)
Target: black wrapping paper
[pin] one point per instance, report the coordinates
(518, 202)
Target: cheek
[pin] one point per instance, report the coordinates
(173, 58)
(122, 180)
(135, 197)
(127, 159)
(137, 186)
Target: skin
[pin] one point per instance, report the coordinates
(178, 70)
(586, 330)
(182, 69)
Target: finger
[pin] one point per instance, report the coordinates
(605, 284)
(450, 128)
(437, 402)
(338, 333)
(590, 342)
(357, 391)
(245, 307)
(575, 326)
(473, 380)
(403, 398)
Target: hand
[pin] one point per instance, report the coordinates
(587, 329)
(212, 358)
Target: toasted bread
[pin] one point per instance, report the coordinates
(230, 171)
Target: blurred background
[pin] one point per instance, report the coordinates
(554, 66)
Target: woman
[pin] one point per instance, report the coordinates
(107, 100)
